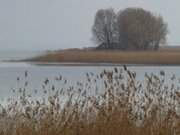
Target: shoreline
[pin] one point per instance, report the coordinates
(102, 64)
(110, 57)
(89, 64)
(105, 58)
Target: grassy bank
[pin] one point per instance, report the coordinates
(166, 56)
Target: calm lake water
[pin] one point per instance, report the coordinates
(12, 75)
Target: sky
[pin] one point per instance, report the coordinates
(59, 24)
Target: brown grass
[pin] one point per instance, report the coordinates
(163, 56)
(123, 107)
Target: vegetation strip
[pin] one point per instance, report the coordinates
(161, 57)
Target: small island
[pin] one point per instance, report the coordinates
(170, 56)
(131, 36)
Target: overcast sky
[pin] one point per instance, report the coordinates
(57, 24)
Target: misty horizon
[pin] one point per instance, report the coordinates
(53, 24)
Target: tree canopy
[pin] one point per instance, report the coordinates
(131, 28)
(105, 28)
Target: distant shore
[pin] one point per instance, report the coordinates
(93, 57)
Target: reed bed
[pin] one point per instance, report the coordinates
(122, 105)
(160, 57)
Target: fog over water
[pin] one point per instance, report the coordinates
(54, 24)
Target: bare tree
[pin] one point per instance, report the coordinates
(104, 29)
(140, 29)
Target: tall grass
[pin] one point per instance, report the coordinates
(131, 57)
(123, 106)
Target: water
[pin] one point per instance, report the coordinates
(9, 72)
(12, 75)
(16, 55)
